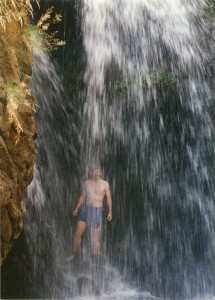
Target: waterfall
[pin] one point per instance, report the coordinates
(145, 115)
(149, 97)
(47, 193)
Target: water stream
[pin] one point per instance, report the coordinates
(145, 114)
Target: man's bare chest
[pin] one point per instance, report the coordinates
(95, 188)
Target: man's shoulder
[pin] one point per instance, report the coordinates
(105, 182)
(87, 182)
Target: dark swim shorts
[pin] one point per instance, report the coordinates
(91, 215)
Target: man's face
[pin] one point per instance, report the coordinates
(96, 173)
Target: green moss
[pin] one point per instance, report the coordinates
(162, 79)
(121, 88)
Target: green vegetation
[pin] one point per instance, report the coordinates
(121, 88)
(211, 4)
(162, 79)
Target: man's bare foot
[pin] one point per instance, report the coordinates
(70, 258)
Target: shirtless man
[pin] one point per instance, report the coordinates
(90, 204)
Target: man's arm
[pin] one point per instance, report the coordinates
(80, 202)
(109, 202)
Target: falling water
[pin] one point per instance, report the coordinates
(148, 91)
(146, 116)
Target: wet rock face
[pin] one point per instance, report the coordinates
(17, 130)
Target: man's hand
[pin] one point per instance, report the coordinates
(75, 212)
(109, 217)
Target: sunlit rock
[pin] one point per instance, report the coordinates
(17, 129)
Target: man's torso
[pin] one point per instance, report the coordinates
(94, 192)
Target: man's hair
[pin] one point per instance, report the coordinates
(93, 168)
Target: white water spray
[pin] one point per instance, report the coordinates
(132, 35)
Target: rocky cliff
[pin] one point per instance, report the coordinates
(17, 128)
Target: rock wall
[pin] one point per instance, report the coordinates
(17, 129)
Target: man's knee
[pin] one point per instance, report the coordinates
(78, 234)
(97, 231)
(80, 230)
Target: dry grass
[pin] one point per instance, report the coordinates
(14, 9)
(16, 98)
(38, 36)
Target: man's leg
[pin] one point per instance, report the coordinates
(96, 222)
(96, 232)
(80, 228)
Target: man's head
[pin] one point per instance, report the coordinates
(96, 172)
